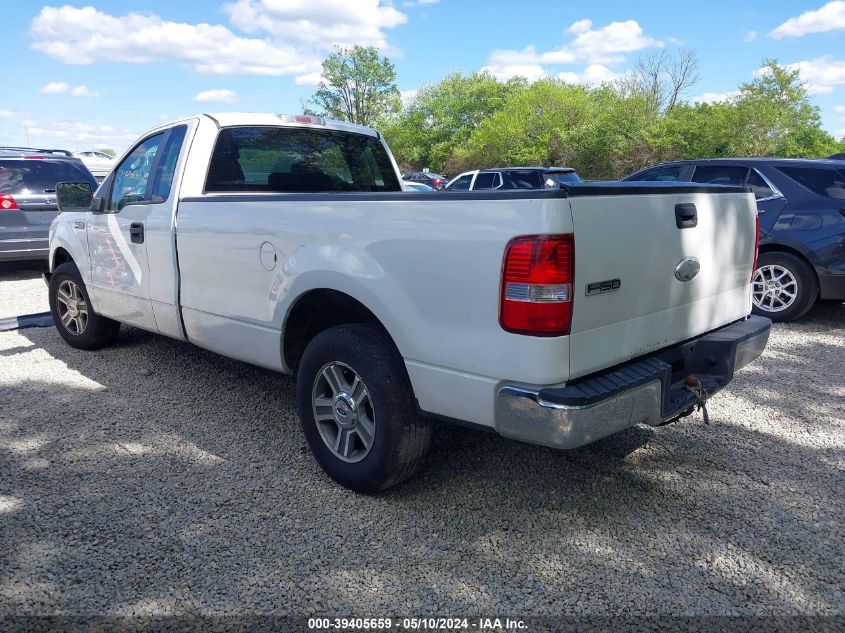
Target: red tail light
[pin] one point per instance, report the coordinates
(537, 285)
(756, 243)
(7, 202)
(437, 181)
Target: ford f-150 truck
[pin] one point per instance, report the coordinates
(555, 317)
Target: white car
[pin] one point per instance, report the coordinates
(98, 163)
(555, 316)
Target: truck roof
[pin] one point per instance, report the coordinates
(230, 119)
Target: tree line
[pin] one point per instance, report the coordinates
(468, 121)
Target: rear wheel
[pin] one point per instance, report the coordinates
(357, 409)
(73, 316)
(785, 287)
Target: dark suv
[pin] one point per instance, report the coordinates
(801, 206)
(28, 205)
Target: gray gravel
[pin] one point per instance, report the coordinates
(22, 290)
(156, 478)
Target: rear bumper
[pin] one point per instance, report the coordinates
(649, 390)
(832, 286)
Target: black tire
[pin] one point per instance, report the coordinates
(401, 435)
(98, 331)
(805, 280)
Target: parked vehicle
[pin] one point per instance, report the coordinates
(98, 163)
(802, 225)
(506, 178)
(28, 178)
(416, 186)
(550, 316)
(435, 181)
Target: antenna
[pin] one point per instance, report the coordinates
(26, 128)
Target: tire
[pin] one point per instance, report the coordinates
(92, 332)
(773, 301)
(336, 427)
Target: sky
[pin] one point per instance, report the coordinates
(84, 75)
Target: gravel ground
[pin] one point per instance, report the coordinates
(155, 478)
(22, 290)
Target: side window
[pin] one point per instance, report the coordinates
(166, 169)
(759, 186)
(486, 180)
(298, 160)
(823, 181)
(462, 183)
(662, 174)
(133, 174)
(720, 175)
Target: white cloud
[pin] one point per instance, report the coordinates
(821, 75)
(596, 47)
(320, 23)
(294, 36)
(840, 110)
(715, 97)
(7, 114)
(83, 91)
(831, 17)
(73, 133)
(594, 74)
(749, 36)
(503, 72)
(418, 3)
(54, 88)
(163, 117)
(60, 88)
(216, 96)
(308, 79)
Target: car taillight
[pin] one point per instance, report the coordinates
(7, 202)
(537, 285)
(756, 243)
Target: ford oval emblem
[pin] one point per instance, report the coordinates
(687, 268)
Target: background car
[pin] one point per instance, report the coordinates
(513, 178)
(407, 185)
(98, 163)
(28, 204)
(801, 207)
(435, 181)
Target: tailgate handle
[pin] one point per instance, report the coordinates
(136, 233)
(686, 216)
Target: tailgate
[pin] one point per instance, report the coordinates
(628, 300)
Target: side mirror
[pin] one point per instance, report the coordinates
(74, 196)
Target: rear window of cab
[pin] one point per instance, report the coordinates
(298, 160)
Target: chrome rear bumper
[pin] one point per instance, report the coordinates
(649, 390)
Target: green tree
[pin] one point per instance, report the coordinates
(358, 85)
(432, 130)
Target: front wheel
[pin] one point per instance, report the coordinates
(784, 287)
(357, 409)
(73, 316)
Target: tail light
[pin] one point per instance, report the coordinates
(537, 285)
(756, 243)
(7, 202)
(437, 181)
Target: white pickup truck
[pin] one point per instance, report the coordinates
(555, 317)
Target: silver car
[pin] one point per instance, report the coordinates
(28, 205)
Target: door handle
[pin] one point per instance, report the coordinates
(136, 232)
(686, 215)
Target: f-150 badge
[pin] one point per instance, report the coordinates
(608, 285)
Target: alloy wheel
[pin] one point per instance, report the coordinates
(774, 288)
(72, 307)
(343, 412)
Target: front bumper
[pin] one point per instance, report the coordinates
(648, 390)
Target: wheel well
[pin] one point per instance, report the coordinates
(780, 248)
(316, 311)
(60, 257)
